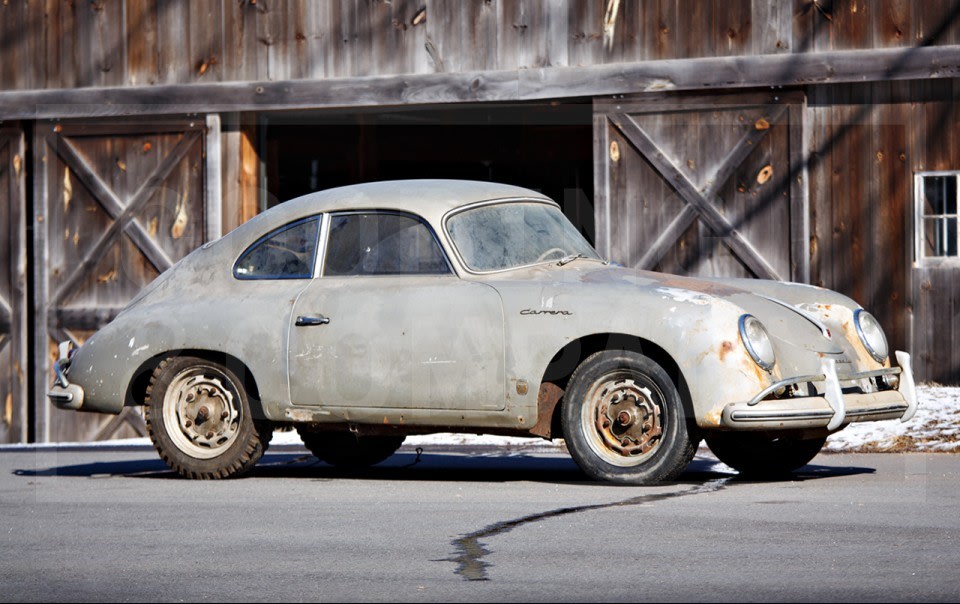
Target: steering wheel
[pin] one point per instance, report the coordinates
(552, 250)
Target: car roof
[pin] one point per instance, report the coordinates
(428, 198)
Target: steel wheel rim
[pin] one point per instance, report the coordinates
(202, 412)
(623, 419)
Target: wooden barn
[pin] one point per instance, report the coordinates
(809, 140)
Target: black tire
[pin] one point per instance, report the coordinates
(349, 450)
(198, 416)
(759, 455)
(624, 421)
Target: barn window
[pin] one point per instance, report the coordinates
(938, 216)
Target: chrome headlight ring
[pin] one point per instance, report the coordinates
(757, 342)
(871, 335)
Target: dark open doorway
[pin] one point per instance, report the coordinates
(546, 147)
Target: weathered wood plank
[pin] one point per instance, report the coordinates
(772, 31)
(601, 182)
(894, 24)
(173, 43)
(799, 196)
(14, 416)
(586, 32)
(206, 43)
(142, 67)
(527, 84)
(242, 59)
(478, 36)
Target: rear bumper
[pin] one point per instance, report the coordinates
(63, 394)
(833, 408)
(68, 397)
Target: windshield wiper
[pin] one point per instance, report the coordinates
(569, 259)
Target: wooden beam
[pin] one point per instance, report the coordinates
(752, 71)
(705, 205)
(667, 238)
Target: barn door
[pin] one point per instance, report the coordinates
(13, 344)
(702, 186)
(116, 205)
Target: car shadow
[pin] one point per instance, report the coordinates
(486, 466)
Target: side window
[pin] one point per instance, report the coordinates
(287, 253)
(938, 216)
(382, 244)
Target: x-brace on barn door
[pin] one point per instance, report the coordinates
(703, 185)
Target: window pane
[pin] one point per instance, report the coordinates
(289, 253)
(950, 237)
(932, 229)
(939, 195)
(382, 244)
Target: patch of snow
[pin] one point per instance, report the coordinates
(935, 427)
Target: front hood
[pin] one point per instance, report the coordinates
(774, 303)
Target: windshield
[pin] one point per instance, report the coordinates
(510, 235)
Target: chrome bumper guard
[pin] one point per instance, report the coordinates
(833, 408)
(62, 393)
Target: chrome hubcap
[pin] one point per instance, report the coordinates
(623, 421)
(202, 412)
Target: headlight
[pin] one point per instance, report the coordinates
(757, 342)
(871, 334)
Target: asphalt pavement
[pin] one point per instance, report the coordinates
(474, 525)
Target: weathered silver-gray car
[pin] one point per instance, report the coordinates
(364, 314)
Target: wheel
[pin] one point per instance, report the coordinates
(759, 455)
(624, 422)
(348, 450)
(198, 417)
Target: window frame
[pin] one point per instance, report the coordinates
(321, 223)
(325, 238)
(919, 231)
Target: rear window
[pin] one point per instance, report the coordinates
(287, 253)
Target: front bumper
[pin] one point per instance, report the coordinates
(833, 407)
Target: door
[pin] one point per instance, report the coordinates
(389, 325)
(13, 343)
(703, 185)
(117, 203)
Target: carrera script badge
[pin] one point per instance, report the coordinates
(530, 311)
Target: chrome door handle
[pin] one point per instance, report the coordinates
(311, 321)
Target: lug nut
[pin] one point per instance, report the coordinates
(224, 415)
(209, 435)
(188, 423)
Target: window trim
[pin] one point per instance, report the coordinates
(325, 241)
(280, 229)
(919, 259)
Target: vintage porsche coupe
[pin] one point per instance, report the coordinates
(363, 314)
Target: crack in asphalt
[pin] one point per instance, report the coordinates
(470, 551)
